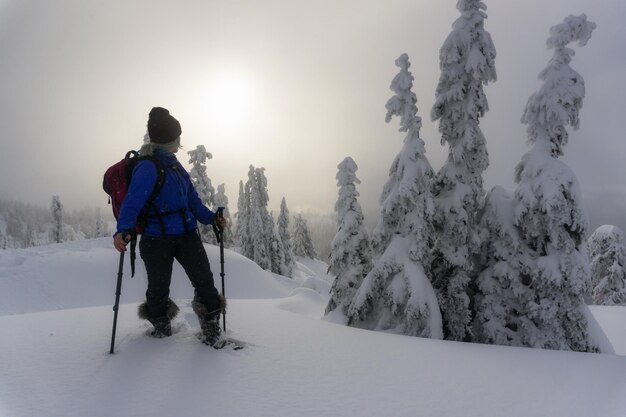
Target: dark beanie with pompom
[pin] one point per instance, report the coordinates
(162, 127)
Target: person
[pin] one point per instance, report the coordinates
(170, 231)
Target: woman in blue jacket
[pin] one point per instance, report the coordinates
(170, 230)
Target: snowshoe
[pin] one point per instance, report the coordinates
(162, 328)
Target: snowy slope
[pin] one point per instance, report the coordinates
(56, 363)
(84, 273)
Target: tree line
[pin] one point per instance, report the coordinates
(24, 225)
(252, 230)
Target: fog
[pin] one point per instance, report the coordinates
(291, 86)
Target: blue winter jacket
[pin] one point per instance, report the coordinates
(178, 199)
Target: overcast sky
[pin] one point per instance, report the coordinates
(293, 86)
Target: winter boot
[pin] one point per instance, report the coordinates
(211, 331)
(209, 322)
(162, 325)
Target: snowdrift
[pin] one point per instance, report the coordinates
(84, 273)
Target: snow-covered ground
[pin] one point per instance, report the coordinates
(55, 326)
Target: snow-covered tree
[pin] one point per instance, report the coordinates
(302, 243)
(285, 239)
(608, 265)
(198, 158)
(351, 249)
(221, 200)
(241, 218)
(533, 295)
(276, 249)
(57, 232)
(258, 237)
(467, 62)
(4, 238)
(34, 239)
(100, 227)
(504, 284)
(396, 295)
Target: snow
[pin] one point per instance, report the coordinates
(55, 316)
(611, 320)
(608, 230)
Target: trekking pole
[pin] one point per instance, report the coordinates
(118, 292)
(219, 234)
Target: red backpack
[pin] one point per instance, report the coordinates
(116, 182)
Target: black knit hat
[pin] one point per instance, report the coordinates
(162, 127)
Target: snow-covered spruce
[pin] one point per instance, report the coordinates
(202, 183)
(260, 241)
(302, 243)
(504, 285)
(57, 231)
(254, 242)
(396, 295)
(351, 250)
(467, 64)
(282, 224)
(276, 248)
(608, 265)
(534, 285)
(100, 226)
(241, 219)
(5, 238)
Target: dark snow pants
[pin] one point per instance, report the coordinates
(158, 255)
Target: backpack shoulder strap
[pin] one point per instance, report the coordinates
(160, 170)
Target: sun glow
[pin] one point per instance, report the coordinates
(230, 103)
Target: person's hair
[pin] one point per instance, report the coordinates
(148, 148)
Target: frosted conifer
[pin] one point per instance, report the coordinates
(285, 239)
(198, 158)
(467, 62)
(504, 284)
(258, 224)
(4, 238)
(608, 265)
(351, 251)
(241, 218)
(533, 292)
(302, 243)
(100, 226)
(396, 295)
(277, 252)
(57, 233)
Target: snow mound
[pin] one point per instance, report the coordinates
(304, 301)
(84, 274)
(307, 267)
(319, 285)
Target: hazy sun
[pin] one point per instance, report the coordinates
(230, 102)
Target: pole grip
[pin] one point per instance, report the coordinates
(219, 233)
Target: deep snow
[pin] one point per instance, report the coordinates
(55, 316)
